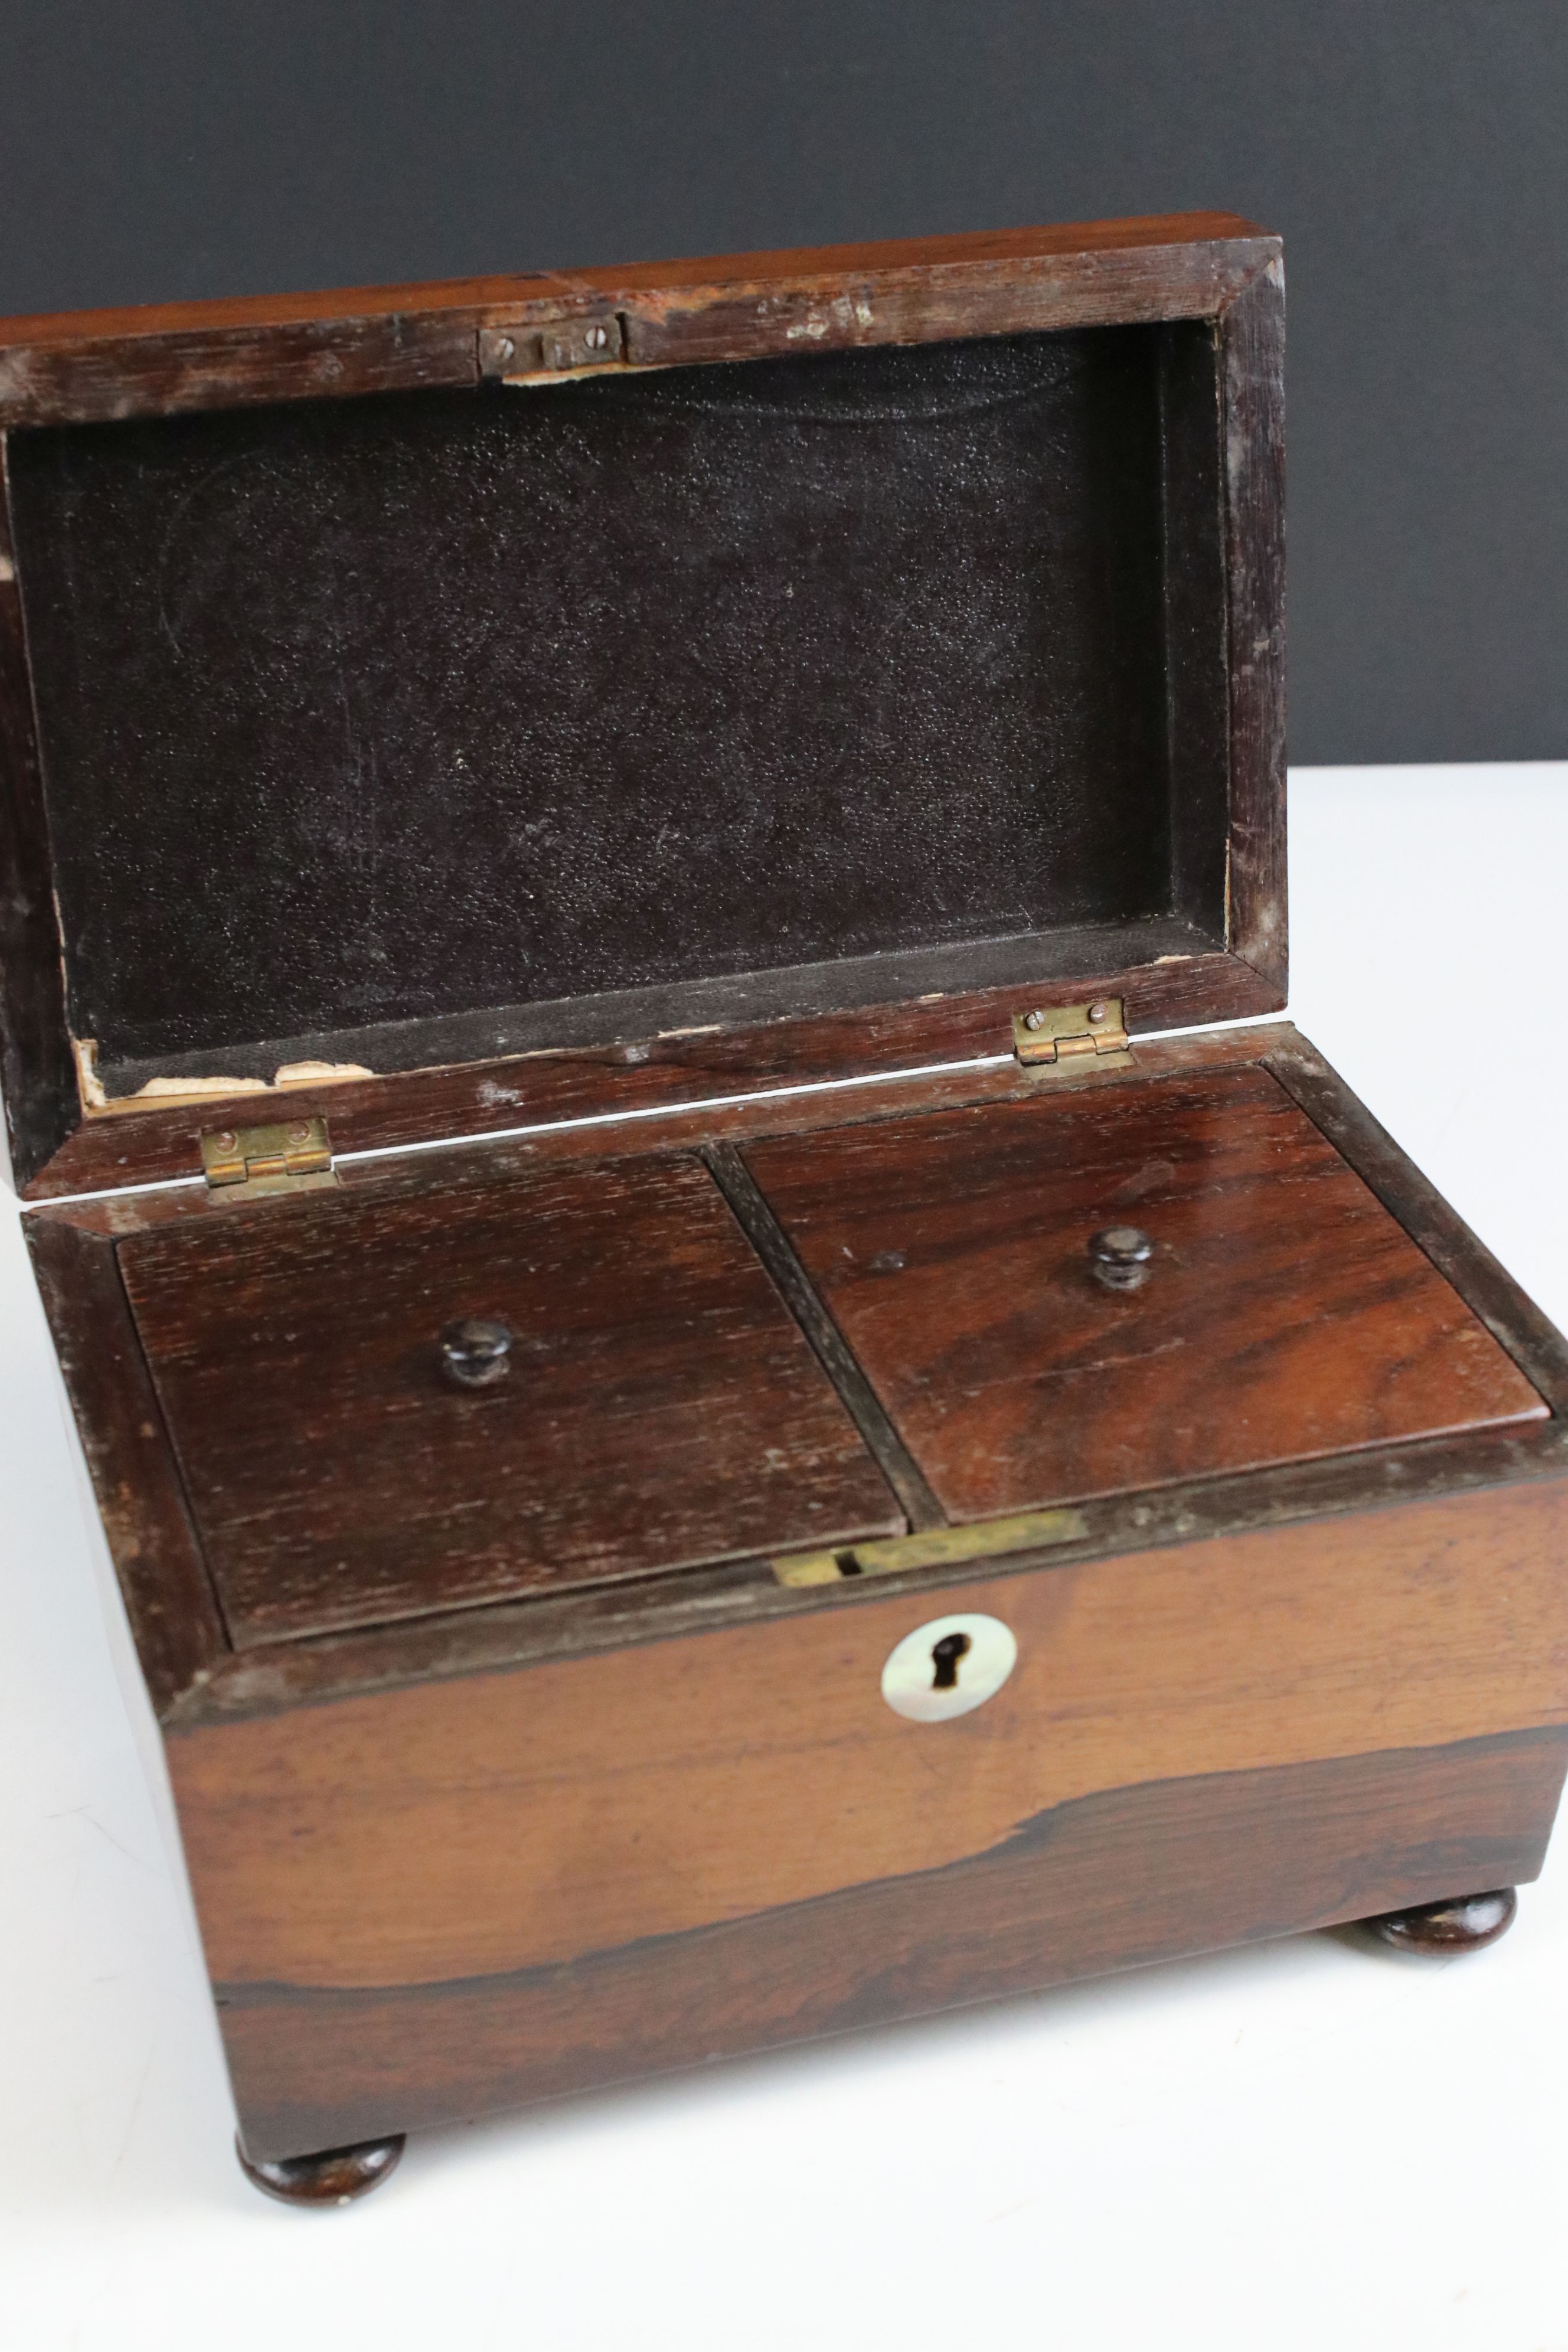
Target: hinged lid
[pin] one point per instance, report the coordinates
(455, 707)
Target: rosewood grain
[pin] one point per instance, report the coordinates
(515, 1819)
(761, 1229)
(148, 1145)
(660, 1409)
(461, 1894)
(932, 301)
(1284, 1315)
(796, 1108)
(1115, 1881)
(498, 1634)
(589, 1622)
(1197, 683)
(1252, 342)
(462, 1829)
(168, 1594)
(218, 366)
(1514, 1320)
(148, 362)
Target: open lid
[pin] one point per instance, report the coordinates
(452, 708)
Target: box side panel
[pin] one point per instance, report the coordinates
(169, 1597)
(1197, 636)
(1116, 1882)
(471, 1894)
(1253, 339)
(37, 1079)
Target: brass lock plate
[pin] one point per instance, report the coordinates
(933, 1548)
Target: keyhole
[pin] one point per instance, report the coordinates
(945, 1655)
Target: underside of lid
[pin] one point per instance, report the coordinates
(401, 734)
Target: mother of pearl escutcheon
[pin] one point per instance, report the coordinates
(948, 1668)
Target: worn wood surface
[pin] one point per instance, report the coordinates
(590, 1622)
(534, 1816)
(1285, 1314)
(928, 298)
(1197, 658)
(762, 1112)
(1252, 342)
(148, 1145)
(474, 1639)
(169, 1597)
(1114, 1881)
(151, 360)
(509, 1850)
(549, 1847)
(218, 365)
(661, 1409)
(37, 1082)
(762, 1229)
(1514, 1320)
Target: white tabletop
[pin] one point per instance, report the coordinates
(1303, 2145)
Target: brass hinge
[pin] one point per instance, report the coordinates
(1055, 1034)
(534, 353)
(933, 1548)
(295, 1156)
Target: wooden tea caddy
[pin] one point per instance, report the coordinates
(871, 1477)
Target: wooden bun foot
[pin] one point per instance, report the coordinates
(334, 2176)
(1462, 1924)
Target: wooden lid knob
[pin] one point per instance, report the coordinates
(477, 1352)
(1120, 1256)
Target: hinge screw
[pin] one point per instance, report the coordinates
(228, 1140)
(505, 348)
(300, 1131)
(1034, 1020)
(1099, 1008)
(597, 338)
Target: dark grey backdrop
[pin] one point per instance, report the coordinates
(1414, 154)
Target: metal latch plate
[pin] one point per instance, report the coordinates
(1050, 1034)
(931, 1548)
(543, 352)
(293, 1155)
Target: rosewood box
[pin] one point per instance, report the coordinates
(709, 1431)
